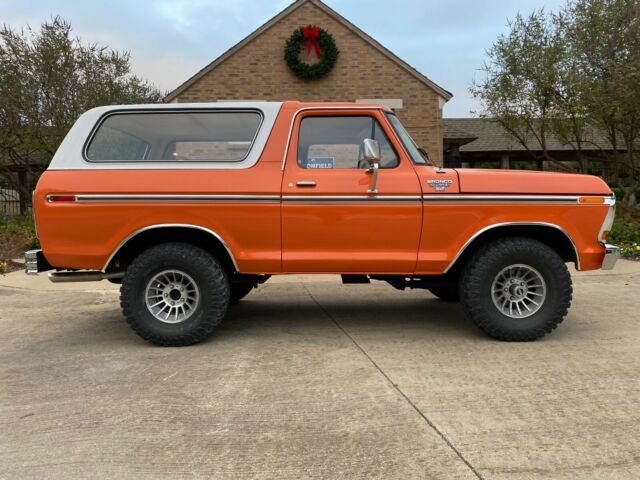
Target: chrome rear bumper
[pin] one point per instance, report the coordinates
(611, 256)
(34, 262)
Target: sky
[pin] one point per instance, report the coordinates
(170, 40)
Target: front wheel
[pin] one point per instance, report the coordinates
(174, 294)
(516, 289)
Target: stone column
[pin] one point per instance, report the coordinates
(504, 161)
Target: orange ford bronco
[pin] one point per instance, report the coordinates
(191, 206)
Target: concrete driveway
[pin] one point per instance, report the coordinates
(311, 379)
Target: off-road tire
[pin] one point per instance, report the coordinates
(447, 292)
(208, 275)
(239, 290)
(482, 268)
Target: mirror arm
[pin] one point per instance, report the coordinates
(374, 180)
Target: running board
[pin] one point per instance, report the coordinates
(83, 276)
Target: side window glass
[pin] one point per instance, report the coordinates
(117, 145)
(336, 142)
(207, 136)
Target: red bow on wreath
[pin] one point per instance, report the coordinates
(310, 34)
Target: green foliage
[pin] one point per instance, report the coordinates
(17, 234)
(565, 74)
(522, 78)
(328, 58)
(626, 231)
(48, 78)
(626, 227)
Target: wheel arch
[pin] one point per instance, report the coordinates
(550, 234)
(150, 235)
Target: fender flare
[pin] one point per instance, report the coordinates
(171, 225)
(513, 224)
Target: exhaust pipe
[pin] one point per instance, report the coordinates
(87, 276)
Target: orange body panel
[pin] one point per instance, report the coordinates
(447, 228)
(343, 237)
(280, 236)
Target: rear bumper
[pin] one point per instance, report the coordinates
(34, 262)
(611, 256)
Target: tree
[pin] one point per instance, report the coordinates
(605, 39)
(563, 74)
(521, 84)
(47, 79)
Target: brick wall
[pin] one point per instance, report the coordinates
(258, 72)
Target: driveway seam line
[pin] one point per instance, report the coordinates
(396, 387)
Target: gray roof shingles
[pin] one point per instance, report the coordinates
(491, 137)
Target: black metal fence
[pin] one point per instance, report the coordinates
(9, 203)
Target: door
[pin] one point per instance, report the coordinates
(330, 222)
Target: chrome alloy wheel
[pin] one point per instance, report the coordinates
(518, 291)
(172, 296)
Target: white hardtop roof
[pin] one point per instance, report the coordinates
(169, 106)
(70, 153)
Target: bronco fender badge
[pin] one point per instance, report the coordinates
(439, 185)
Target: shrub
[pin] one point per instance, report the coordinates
(626, 231)
(626, 227)
(17, 234)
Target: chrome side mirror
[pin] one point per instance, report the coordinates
(371, 149)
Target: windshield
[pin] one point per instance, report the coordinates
(418, 155)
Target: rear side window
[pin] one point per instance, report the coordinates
(221, 136)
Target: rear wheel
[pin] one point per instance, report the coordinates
(174, 294)
(516, 289)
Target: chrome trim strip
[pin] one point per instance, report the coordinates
(501, 199)
(142, 198)
(506, 224)
(132, 198)
(351, 199)
(517, 199)
(607, 223)
(295, 115)
(172, 225)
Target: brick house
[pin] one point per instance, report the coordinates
(255, 69)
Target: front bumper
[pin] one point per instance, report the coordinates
(611, 256)
(34, 262)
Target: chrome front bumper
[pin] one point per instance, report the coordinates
(34, 262)
(611, 256)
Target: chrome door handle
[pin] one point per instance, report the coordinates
(306, 183)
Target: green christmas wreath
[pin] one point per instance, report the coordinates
(323, 45)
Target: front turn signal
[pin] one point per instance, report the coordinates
(591, 200)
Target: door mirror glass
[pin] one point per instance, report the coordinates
(371, 151)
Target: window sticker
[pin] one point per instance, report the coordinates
(321, 162)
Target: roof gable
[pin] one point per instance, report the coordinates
(336, 16)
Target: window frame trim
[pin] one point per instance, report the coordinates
(369, 115)
(105, 116)
(427, 163)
